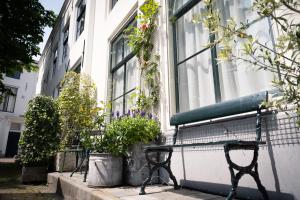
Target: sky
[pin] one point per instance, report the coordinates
(54, 5)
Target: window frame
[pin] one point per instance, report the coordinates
(55, 60)
(213, 51)
(65, 40)
(6, 99)
(113, 3)
(80, 14)
(120, 64)
(16, 75)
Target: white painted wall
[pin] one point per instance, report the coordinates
(204, 169)
(26, 90)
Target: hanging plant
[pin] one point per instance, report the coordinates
(141, 41)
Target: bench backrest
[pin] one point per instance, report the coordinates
(222, 109)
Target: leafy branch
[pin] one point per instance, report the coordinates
(283, 58)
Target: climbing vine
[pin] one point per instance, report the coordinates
(141, 41)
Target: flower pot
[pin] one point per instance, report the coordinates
(105, 170)
(34, 174)
(136, 168)
(69, 164)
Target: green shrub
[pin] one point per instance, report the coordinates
(128, 130)
(39, 141)
(77, 107)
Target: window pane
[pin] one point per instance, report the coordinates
(80, 18)
(11, 103)
(177, 4)
(16, 75)
(118, 82)
(131, 74)
(127, 48)
(241, 78)
(129, 101)
(8, 101)
(117, 105)
(113, 3)
(117, 51)
(191, 37)
(196, 82)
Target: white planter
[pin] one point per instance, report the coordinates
(137, 170)
(70, 162)
(105, 170)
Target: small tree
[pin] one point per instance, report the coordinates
(77, 107)
(283, 58)
(40, 139)
(21, 30)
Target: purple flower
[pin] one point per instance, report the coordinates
(118, 114)
(143, 113)
(128, 113)
(112, 114)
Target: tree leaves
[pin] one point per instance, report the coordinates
(21, 30)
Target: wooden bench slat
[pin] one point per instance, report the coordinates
(222, 109)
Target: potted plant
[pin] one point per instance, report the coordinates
(76, 105)
(105, 161)
(39, 140)
(135, 129)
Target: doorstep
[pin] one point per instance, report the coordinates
(74, 188)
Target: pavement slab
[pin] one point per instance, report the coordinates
(154, 192)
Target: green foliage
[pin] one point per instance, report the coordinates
(140, 40)
(283, 59)
(21, 30)
(126, 131)
(40, 139)
(78, 108)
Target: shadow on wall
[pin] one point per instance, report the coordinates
(222, 189)
(277, 130)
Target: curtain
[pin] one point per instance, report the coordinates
(241, 78)
(195, 79)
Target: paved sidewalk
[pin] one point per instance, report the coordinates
(73, 188)
(11, 187)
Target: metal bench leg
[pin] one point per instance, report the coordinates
(172, 177)
(78, 167)
(156, 165)
(250, 169)
(87, 156)
(146, 182)
(260, 187)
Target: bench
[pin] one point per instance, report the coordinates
(223, 109)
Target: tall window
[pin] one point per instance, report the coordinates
(8, 100)
(80, 17)
(200, 79)
(55, 59)
(16, 75)
(124, 74)
(65, 41)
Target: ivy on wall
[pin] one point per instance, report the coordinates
(141, 41)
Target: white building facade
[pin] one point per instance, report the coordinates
(12, 110)
(88, 37)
